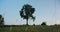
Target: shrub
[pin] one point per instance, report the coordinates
(33, 24)
(43, 23)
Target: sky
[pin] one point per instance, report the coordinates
(45, 11)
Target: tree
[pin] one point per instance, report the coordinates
(1, 20)
(43, 23)
(27, 12)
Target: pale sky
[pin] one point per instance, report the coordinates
(46, 11)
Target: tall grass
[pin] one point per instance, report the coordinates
(24, 28)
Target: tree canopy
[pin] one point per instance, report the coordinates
(1, 20)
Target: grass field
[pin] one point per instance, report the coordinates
(25, 28)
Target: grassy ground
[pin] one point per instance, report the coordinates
(25, 28)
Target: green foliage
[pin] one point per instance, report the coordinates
(27, 12)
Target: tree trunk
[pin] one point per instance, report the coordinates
(27, 22)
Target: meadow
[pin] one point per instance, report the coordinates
(30, 28)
